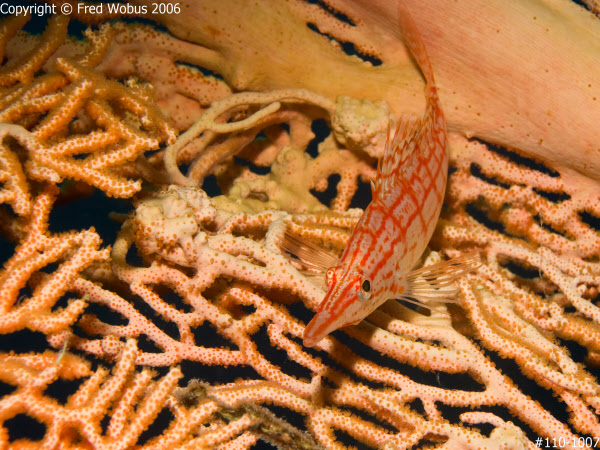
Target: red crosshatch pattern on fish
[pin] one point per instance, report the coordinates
(397, 225)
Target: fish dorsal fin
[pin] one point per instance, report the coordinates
(307, 253)
(397, 150)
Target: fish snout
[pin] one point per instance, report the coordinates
(333, 310)
(319, 327)
(324, 322)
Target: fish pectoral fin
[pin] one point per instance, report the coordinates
(298, 249)
(435, 283)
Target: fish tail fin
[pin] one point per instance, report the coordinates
(435, 283)
(414, 42)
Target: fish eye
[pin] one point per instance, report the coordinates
(365, 290)
(366, 286)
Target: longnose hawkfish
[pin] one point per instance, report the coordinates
(377, 264)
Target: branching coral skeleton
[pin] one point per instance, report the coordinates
(196, 285)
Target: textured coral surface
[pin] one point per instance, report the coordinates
(149, 171)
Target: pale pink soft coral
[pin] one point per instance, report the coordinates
(524, 75)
